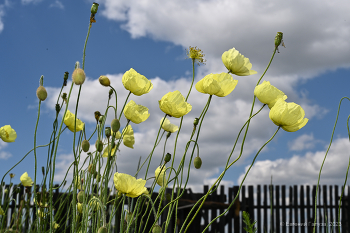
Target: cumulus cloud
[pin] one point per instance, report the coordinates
(303, 169)
(314, 43)
(303, 142)
(221, 125)
(4, 154)
(57, 4)
(25, 2)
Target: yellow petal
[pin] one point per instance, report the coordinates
(127, 184)
(69, 122)
(136, 83)
(290, 116)
(136, 113)
(8, 134)
(173, 104)
(217, 84)
(268, 94)
(26, 180)
(128, 138)
(236, 63)
(108, 149)
(167, 126)
(160, 176)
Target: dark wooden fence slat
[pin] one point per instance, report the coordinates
(284, 209)
(259, 223)
(265, 209)
(277, 209)
(302, 208)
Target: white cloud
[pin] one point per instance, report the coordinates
(303, 169)
(57, 4)
(25, 2)
(221, 125)
(314, 43)
(2, 14)
(4, 154)
(303, 142)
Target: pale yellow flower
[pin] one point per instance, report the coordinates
(136, 83)
(217, 84)
(77, 183)
(107, 149)
(1, 211)
(290, 116)
(8, 134)
(69, 122)
(167, 126)
(236, 63)
(80, 208)
(268, 94)
(56, 225)
(117, 134)
(26, 180)
(173, 104)
(127, 184)
(160, 175)
(128, 138)
(135, 112)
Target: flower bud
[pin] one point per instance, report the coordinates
(167, 157)
(6, 191)
(94, 8)
(104, 81)
(65, 78)
(97, 115)
(115, 125)
(99, 145)
(108, 132)
(41, 93)
(85, 145)
(80, 196)
(12, 175)
(101, 119)
(110, 93)
(78, 76)
(92, 169)
(102, 230)
(196, 120)
(197, 162)
(58, 108)
(278, 39)
(64, 96)
(157, 229)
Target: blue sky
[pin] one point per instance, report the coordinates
(47, 37)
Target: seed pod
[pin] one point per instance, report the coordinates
(85, 145)
(196, 120)
(197, 162)
(94, 9)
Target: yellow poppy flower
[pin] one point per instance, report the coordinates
(136, 83)
(217, 84)
(160, 175)
(26, 180)
(236, 63)
(173, 104)
(268, 94)
(117, 134)
(8, 134)
(108, 148)
(127, 184)
(129, 139)
(80, 208)
(69, 122)
(135, 112)
(167, 126)
(290, 116)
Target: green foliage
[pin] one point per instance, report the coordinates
(250, 226)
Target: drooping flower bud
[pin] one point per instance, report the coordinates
(104, 81)
(110, 93)
(78, 76)
(85, 145)
(65, 78)
(97, 116)
(278, 39)
(197, 162)
(108, 132)
(99, 145)
(167, 157)
(41, 93)
(157, 229)
(115, 125)
(101, 119)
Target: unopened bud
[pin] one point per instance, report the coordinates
(78, 76)
(278, 39)
(41, 93)
(65, 78)
(85, 145)
(99, 145)
(12, 175)
(104, 81)
(110, 93)
(115, 125)
(94, 8)
(102, 230)
(196, 120)
(108, 132)
(58, 108)
(101, 119)
(64, 96)
(97, 115)
(197, 162)
(157, 229)
(167, 157)
(80, 196)
(92, 169)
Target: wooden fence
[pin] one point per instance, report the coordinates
(293, 210)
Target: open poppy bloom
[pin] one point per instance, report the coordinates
(135, 112)
(136, 83)
(69, 122)
(128, 184)
(7, 134)
(268, 94)
(217, 84)
(289, 116)
(26, 180)
(173, 104)
(167, 126)
(129, 139)
(236, 63)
